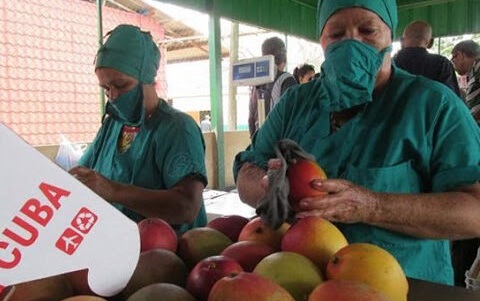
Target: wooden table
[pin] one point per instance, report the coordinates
(425, 291)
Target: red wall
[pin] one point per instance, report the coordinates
(47, 80)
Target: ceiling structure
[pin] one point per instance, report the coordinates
(295, 17)
(182, 43)
(298, 17)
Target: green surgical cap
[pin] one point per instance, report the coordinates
(385, 9)
(131, 51)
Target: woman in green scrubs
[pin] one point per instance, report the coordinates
(147, 158)
(401, 152)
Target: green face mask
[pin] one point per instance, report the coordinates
(128, 108)
(349, 73)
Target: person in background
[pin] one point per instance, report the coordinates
(304, 73)
(466, 59)
(270, 92)
(205, 124)
(400, 151)
(147, 158)
(415, 58)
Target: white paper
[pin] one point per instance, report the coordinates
(51, 224)
(226, 204)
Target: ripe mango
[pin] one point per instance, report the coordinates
(371, 265)
(300, 174)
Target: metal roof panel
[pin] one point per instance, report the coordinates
(298, 17)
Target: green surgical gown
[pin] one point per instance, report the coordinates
(415, 136)
(168, 147)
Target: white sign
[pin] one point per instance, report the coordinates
(254, 71)
(51, 224)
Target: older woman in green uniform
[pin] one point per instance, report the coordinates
(147, 158)
(401, 152)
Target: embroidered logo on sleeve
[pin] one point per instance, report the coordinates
(181, 165)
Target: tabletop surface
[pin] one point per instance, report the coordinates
(218, 203)
(425, 291)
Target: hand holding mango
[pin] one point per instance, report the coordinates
(290, 176)
(301, 173)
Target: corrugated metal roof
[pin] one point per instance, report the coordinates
(447, 17)
(181, 42)
(298, 17)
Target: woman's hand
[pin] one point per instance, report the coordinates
(95, 181)
(345, 202)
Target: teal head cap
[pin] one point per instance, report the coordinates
(132, 51)
(385, 9)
